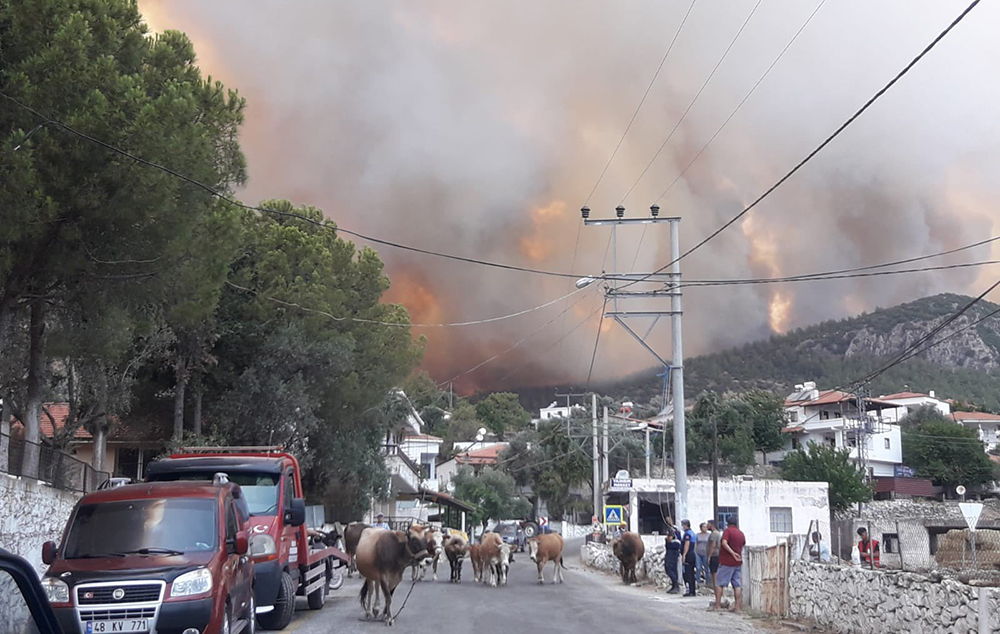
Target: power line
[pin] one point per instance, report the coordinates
(652, 81)
(745, 98)
(553, 344)
(519, 342)
(693, 101)
(403, 324)
(819, 148)
(322, 224)
(597, 342)
(812, 277)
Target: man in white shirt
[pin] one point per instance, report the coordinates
(819, 550)
(381, 523)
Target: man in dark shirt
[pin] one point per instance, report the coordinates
(689, 541)
(730, 564)
(673, 551)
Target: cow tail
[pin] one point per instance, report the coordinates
(561, 563)
(364, 592)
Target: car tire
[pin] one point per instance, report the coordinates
(317, 598)
(251, 627)
(530, 530)
(284, 606)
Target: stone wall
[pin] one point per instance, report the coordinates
(860, 601)
(650, 569)
(31, 513)
(575, 531)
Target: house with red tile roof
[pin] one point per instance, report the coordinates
(835, 418)
(987, 425)
(908, 402)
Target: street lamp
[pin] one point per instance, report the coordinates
(584, 282)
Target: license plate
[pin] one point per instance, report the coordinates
(124, 625)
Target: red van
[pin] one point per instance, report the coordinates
(167, 557)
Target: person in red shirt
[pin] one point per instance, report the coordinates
(868, 549)
(730, 564)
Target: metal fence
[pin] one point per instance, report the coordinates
(56, 468)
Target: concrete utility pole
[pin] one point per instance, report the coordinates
(598, 510)
(677, 366)
(625, 286)
(605, 457)
(647, 451)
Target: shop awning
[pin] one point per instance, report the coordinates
(438, 497)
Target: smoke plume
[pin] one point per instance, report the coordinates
(479, 128)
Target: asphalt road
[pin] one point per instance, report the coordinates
(588, 602)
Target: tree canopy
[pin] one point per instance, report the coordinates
(948, 453)
(502, 414)
(822, 463)
(493, 492)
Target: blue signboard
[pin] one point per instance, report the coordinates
(903, 472)
(614, 515)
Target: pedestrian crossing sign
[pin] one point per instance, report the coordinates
(614, 515)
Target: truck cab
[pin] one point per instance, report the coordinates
(169, 558)
(285, 565)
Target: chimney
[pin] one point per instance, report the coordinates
(931, 394)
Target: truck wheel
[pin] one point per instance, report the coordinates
(284, 606)
(317, 597)
(530, 530)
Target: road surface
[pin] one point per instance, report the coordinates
(587, 603)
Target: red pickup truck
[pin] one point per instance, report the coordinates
(169, 558)
(286, 563)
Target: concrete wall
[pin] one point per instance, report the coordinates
(859, 601)
(809, 502)
(30, 514)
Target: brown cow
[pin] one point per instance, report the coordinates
(475, 555)
(435, 546)
(456, 548)
(495, 558)
(546, 548)
(629, 550)
(381, 558)
(352, 535)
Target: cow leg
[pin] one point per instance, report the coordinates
(559, 569)
(541, 567)
(387, 613)
(436, 557)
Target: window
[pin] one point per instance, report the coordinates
(289, 490)
(796, 443)
(824, 415)
(781, 519)
(232, 526)
(888, 444)
(793, 417)
(725, 512)
(890, 543)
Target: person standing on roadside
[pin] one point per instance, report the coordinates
(701, 574)
(730, 564)
(869, 549)
(672, 555)
(689, 540)
(714, 548)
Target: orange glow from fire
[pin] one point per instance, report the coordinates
(540, 243)
(417, 297)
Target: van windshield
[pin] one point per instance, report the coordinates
(155, 526)
(259, 489)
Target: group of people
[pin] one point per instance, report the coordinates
(709, 556)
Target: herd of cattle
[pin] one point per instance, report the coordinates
(381, 556)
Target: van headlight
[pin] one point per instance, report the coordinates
(191, 583)
(55, 590)
(262, 545)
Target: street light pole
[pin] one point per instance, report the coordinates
(677, 367)
(598, 513)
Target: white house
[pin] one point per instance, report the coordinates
(832, 417)
(988, 426)
(769, 510)
(423, 449)
(477, 459)
(908, 402)
(556, 411)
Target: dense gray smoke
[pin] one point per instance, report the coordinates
(479, 128)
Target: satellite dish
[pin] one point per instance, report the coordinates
(960, 490)
(481, 432)
(622, 475)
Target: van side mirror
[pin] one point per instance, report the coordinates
(242, 543)
(296, 515)
(49, 552)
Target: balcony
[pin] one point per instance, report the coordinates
(404, 472)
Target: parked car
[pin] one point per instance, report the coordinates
(511, 533)
(165, 557)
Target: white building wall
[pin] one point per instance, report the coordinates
(808, 501)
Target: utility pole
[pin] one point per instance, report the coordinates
(669, 283)
(451, 396)
(677, 366)
(598, 511)
(647, 452)
(715, 469)
(605, 458)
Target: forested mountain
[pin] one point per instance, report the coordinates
(965, 367)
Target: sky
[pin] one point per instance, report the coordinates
(480, 128)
